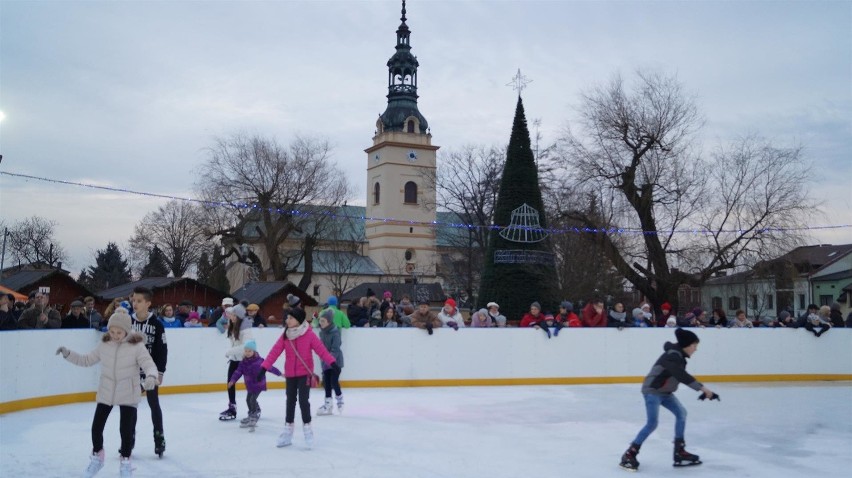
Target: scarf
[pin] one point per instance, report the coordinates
(619, 316)
(294, 333)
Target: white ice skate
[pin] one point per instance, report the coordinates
(327, 408)
(309, 435)
(96, 462)
(126, 468)
(340, 404)
(286, 437)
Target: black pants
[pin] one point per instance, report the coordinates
(153, 397)
(253, 406)
(331, 379)
(298, 385)
(127, 428)
(232, 390)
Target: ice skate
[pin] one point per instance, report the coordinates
(683, 457)
(125, 468)
(96, 462)
(159, 443)
(327, 407)
(244, 421)
(230, 413)
(628, 459)
(251, 424)
(309, 435)
(340, 404)
(286, 437)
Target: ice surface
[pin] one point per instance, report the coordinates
(771, 430)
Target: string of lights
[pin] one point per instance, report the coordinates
(432, 224)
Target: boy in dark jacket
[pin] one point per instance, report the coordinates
(248, 369)
(145, 322)
(658, 389)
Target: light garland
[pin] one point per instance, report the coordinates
(433, 224)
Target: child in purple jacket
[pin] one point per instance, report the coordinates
(249, 368)
(297, 343)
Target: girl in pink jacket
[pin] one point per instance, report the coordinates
(297, 343)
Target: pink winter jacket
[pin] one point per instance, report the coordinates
(305, 344)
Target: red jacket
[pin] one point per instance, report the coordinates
(530, 320)
(569, 320)
(591, 318)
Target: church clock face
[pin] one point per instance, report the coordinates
(412, 156)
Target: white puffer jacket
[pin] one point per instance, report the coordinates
(120, 364)
(237, 350)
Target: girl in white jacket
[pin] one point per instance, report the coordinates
(239, 332)
(121, 353)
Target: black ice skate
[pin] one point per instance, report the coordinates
(683, 457)
(230, 413)
(159, 443)
(628, 459)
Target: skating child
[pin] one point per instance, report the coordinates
(122, 354)
(297, 343)
(330, 336)
(146, 322)
(658, 389)
(248, 368)
(239, 331)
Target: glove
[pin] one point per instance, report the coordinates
(64, 351)
(714, 397)
(429, 328)
(150, 382)
(261, 375)
(453, 324)
(335, 367)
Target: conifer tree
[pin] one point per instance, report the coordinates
(110, 269)
(523, 271)
(156, 266)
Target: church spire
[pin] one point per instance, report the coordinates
(402, 113)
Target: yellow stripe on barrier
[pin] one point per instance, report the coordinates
(53, 400)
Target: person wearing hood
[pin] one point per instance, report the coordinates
(297, 344)
(340, 319)
(480, 319)
(658, 390)
(617, 317)
(239, 332)
(330, 336)
(122, 354)
(450, 315)
(567, 316)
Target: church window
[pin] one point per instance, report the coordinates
(410, 126)
(376, 193)
(410, 192)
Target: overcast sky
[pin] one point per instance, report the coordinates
(129, 94)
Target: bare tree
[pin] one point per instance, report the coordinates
(176, 228)
(639, 145)
(260, 191)
(32, 240)
(341, 256)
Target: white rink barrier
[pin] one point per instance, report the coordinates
(33, 376)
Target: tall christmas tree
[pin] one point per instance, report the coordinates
(519, 264)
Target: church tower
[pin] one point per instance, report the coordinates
(400, 174)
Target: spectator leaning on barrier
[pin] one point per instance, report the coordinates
(450, 315)
(803, 317)
(818, 323)
(649, 314)
(835, 316)
(741, 322)
(75, 318)
(719, 319)
(593, 314)
(423, 318)
(786, 320)
(253, 312)
(567, 316)
(617, 317)
(532, 317)
(481, 318)
(40, 315)
(94, 317)
(168, 318)
(494, 311)
(193, 320)
(640, 319)
(663, 319)
(217, 318)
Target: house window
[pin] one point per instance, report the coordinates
(410, 192)
(733, 303)
(316, 290)
(801, 301)
(716, 303)
(409, 255)
(753, 302)
(376, 193)
(826, 299)
(770, 301)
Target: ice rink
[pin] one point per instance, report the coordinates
(775, 430)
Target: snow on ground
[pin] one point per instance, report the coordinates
(757, 430)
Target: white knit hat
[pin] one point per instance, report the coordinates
(121, 319)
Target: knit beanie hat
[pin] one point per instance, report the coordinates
(332, 300)
(297, 314)
(666, 306)
(637, 312)
(536, 305)
(685, 338)
(251, 345)
(451, 302)
(121, 319)
(293, 300)
(240, 311)
(387, 294)
(568, 306)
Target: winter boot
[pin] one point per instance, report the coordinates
(159, 443)
(125, 468)
(683, 457)
(286, 437)
(340, 404)
(309, 435)
(230, 413)
(96, 462)
(628, 459)
(327, 408)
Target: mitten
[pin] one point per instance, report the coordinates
(64, 351)
(429, 328)
(546, 331)
(556, 331)
(335, 367)
(714, 397)
(453, 324)
(150, 382)
(261, 374)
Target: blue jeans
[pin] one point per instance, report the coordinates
(652, 407)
